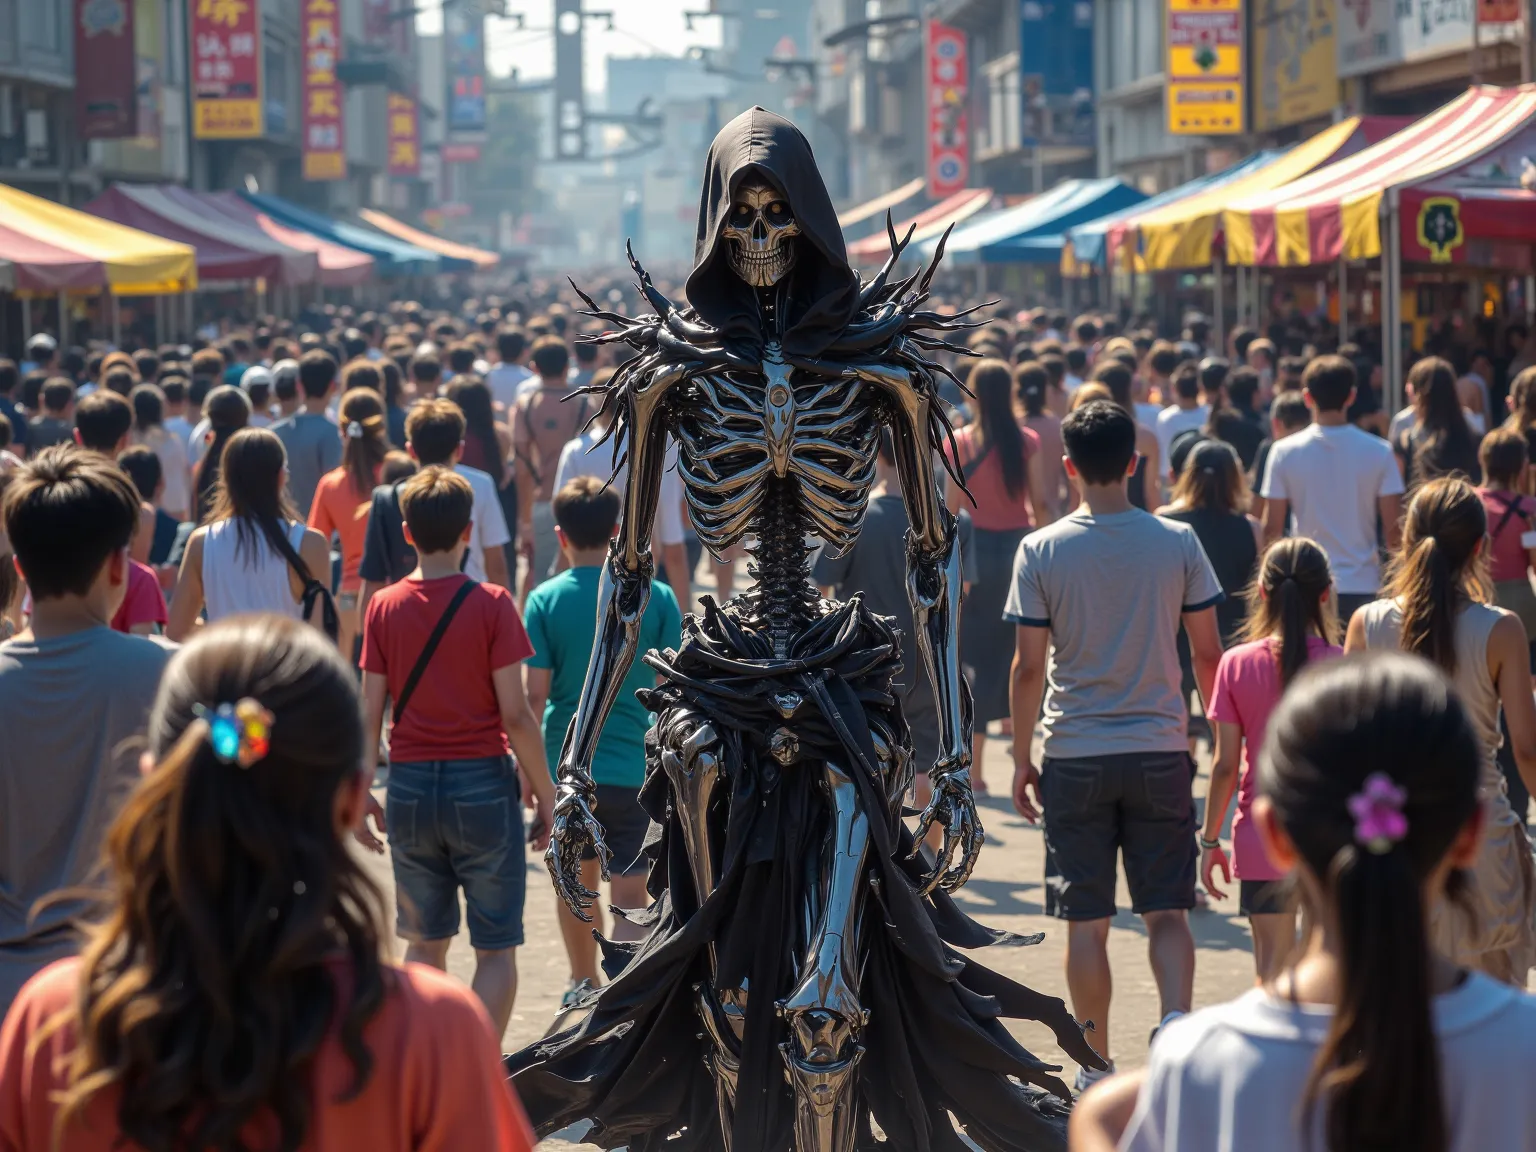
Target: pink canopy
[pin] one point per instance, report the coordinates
(340, 266)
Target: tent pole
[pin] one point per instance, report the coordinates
(63, 322)
(1343, 298)
(117, 322)
(26, 320)
(1218, 303)
(1391, 305)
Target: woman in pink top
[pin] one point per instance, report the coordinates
(1003, 468)
(1291, 621)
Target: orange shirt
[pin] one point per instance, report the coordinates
(437, 1083)
(338, 508)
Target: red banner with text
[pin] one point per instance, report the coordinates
(226, 69)
(106, 70)
(948, 96)
(325, 133)
(404, 136)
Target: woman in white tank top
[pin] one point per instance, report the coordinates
(1433, 609)
(236, 562)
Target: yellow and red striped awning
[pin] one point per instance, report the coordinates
(1336, 211)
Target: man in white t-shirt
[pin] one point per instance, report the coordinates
(504, 379)
(584, 456)
(1337, 480)
(1187, 411)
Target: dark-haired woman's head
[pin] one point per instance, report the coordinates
(1119, 379)
(1031, 380)
(227, 411)
(1436, 405)
(1212, 478)
(991, 382)
(1440, 566)
(1369, 791)
(1100, 439)
(365, 438)
(251, 488)
(1503, 455)
(1291, 598)
(148, 407)
(210, 983)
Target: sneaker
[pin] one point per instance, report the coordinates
(1163, 1023)
(1088, 1077)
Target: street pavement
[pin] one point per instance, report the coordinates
(1006, 892)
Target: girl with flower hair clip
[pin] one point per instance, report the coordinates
(1370, 1038)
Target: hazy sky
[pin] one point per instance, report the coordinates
(640, 28)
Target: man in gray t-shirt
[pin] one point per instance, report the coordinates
(310, 437)
(1098, 598)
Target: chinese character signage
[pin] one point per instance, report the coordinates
(226, 69)
(324, 145)
(106, 88)
(464, 49)
(1295, 61)
(404, 136)
(1205, 67)
(948, 95)
(1376, 34)
(1056, 72)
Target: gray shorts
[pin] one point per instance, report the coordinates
(546, 546)
(1137, 805)
(625, 825)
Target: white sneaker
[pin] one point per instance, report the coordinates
(1088, 1077)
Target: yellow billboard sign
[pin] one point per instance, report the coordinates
(1204, 67)
(1295, 62)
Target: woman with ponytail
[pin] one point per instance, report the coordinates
(1436, 607)
(226, 410)
(233, 993)
(345, 494)
(1291, 623)
(1370, 1039)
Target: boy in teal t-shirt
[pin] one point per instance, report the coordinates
(561, 618)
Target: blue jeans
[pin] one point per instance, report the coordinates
(457, 824)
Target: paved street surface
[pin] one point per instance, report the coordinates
(1006, 892)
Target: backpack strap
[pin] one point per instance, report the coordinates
(409, 687)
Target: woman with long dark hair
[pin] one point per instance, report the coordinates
(1005, 471)
(233, 993)
(1144, 489)
(488, 447)
(344, 495)
(1291, 622)
(394, 402)
(1439, 443)
(1522, 417)
(1033, 381)
(1371, 1039)
(1436, 606)
(253, 552)
(227, 411)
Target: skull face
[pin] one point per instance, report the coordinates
(761, 228)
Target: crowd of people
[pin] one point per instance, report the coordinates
(248, 585)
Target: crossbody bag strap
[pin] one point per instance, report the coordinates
(420, 667)
(330, 620)
(969, 470)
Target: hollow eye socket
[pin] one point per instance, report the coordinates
(741, 212)
(778, 214)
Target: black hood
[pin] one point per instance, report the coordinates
(822, 289)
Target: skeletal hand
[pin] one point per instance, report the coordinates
(575, 829)
(954, 809)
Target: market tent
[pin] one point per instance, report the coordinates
(403, 231)
(340, 266)
(52, 248)
(1336, 211)
(867, 217)
(225, 251)
(393, 257)
(1186, 234)
(1031, 232)
(1089, 245)
(926, 224)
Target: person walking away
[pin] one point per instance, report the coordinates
(1004, 469)
(12, 410)
(1432, 608)
(1440, 442)
(541, 426)
(256, 383)
(73, 695)
(1188, 411)
(1291, 622)
(1371, 1037)
(253, 552)
(149, 429)
(1288, 415)
(487, 448)
(452, 807)
(1234, 425)
(1337, 481)
(1211, 496)
(144, 469)
(1032, 384)
(1512, 519)
(507, 376)
(309, 436)
(342, 501)
(1143, 489)
(252, 781)
(1108, 586)
(562, 626)
(56, 423)
(227, 411)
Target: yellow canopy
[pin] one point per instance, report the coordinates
(403, 231)
(1183, 234)
(52, 248)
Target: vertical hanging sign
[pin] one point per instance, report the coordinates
(324, 144)
(1056, 73)
(1205, 91)
(106, 70)
(404, 136)
(464, 49)
(948, 97)
(226, 69)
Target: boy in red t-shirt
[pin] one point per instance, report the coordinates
(452, 806)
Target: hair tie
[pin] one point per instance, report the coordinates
(354, 431)
(1378, 812)
(239, 733)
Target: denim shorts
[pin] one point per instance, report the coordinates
(457, 824)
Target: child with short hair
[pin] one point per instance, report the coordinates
(562, 623)
(445, 649)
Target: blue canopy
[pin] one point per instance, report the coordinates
(393, 257)
(1088, 241)
(1032, 232)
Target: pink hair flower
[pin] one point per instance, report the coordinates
(1378, 812)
